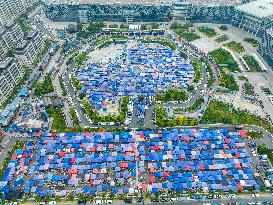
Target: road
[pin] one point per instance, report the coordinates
(38, 24)
(243, 198)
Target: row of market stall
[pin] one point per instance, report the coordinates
(178, 160)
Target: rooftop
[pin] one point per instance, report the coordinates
(22, 45)
(110, 1)
(259, 8)
(6, 63)
(214, 2)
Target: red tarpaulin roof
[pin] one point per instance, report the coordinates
(224, 172)
(242, 133)
(187, 138)
(227, 140)
(240, 187)
(188, 168)
(201, 167)
(62, 153)
(14, 156)
(152, 179)
(123, 165)
(72, 171)
(143, 186)
(156, 148)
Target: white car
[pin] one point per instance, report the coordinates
(254, 195)
(52, 202)
(231, 196)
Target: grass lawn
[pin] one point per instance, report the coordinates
(197, 65)
(188, 36)
(58, 123)
(235, 46)
(253, 65)
(183, 31)
(210, 32)
(254, 134)
(252, 41)
(228, 81)
(221, 56)
(221, 112)
(222, 38)
(172, 95)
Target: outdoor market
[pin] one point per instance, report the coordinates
(141, 70)
(183, 160)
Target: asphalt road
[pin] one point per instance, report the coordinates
(239, 199)
(38, 24)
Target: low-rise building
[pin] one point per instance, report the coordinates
(11, 71)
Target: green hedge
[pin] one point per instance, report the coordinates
(253, 65)
(76, 83)
(62, 86)
(210, 32)
(252, 41)
(197, 65)
(221, 56)
(222, 38)
(80, 58)
(235, 46)
(220, 112)
(211, 79)
(74, 116)
(183, 31)
(172, 95)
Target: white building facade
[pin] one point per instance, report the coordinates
(11, 72)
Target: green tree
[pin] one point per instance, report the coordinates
(38, 198)
(70, 197)
(143, 27)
